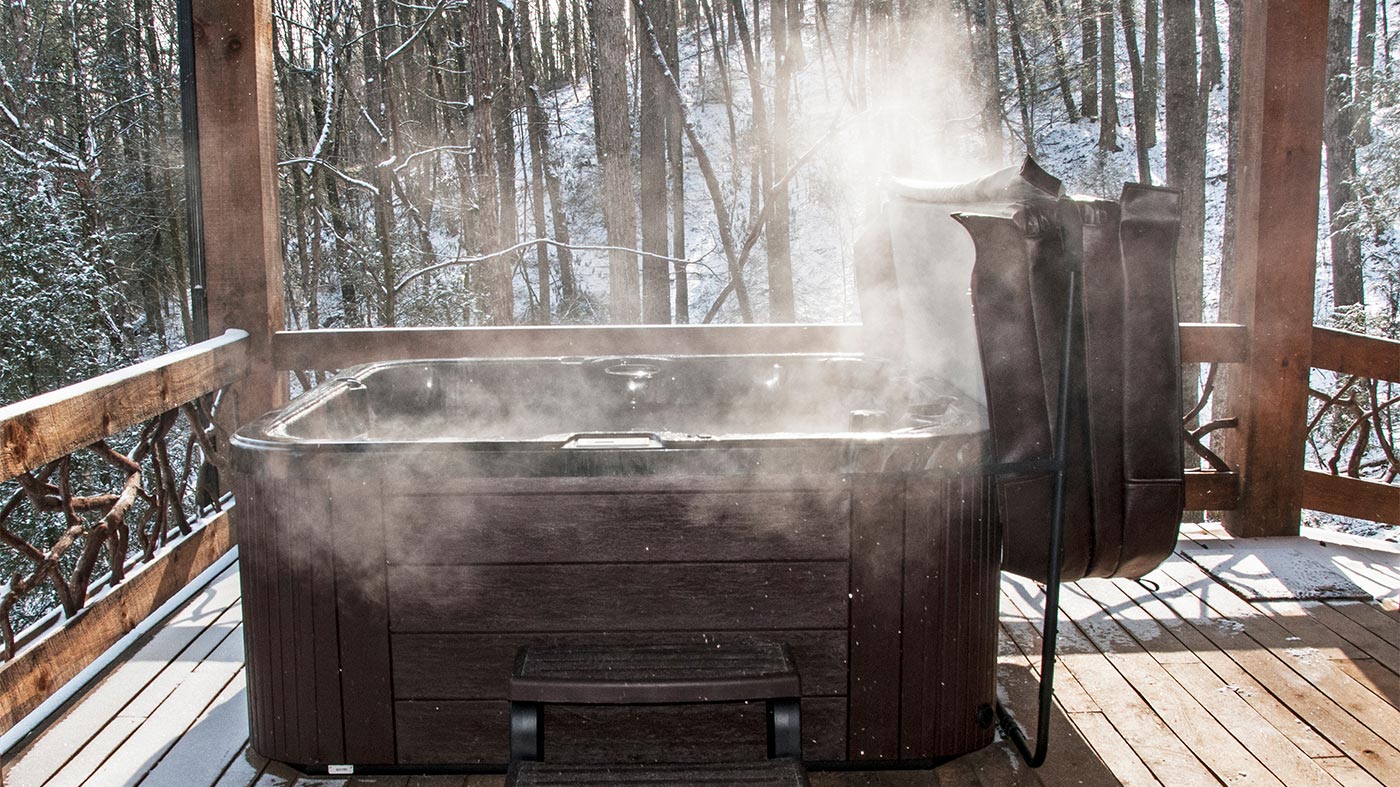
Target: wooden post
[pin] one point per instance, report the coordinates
(237, 156)
(1283, 76)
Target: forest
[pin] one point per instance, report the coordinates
(499, 162)
(464, 162)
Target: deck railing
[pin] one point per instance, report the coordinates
(103, 474)
(138, 535)
(1352, 430)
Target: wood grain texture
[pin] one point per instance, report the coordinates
(477, 666)
(41, 668)
(1281, 98)
(238, 170)
(55, 424)
(362, 607)
(1207, 490)
(618, 597)
(1354, 353)
(455, 732)
(602, 528)
(877, 579)
(948, 658)
(1353, 497)
(1221, 342)
(338, 348)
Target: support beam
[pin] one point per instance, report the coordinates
(1283, 76)
(237, 155)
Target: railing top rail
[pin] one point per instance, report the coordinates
(338, 348)
(1354, 353)
(51, 425)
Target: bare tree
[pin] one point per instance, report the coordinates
(608, 20)
(1348, 286)
(1186, 146)
(1140, 108)
(1108, 80)
(656, 273)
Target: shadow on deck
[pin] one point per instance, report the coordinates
(1177, 679)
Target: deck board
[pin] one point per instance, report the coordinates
(1172, 680)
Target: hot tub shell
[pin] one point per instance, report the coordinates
(389, 579)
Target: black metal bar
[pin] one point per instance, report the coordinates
(194, 203)
(1050, 627)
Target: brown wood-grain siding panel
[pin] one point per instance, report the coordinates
(285, 574)
(952, 560)
(330, 731)
(478, 666)
(254, 554)
(361, 590)
(608, 528)
(619, 597)
(476, 733)
(877, 557)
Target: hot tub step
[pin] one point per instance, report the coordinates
(656, 674)
(608, 674)
(548, 774)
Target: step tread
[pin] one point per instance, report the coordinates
(547, 774)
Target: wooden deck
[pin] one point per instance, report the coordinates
(1174, 680)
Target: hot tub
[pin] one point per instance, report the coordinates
(406, 527)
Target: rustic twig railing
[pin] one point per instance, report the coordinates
(94, 510)
(1352, 427)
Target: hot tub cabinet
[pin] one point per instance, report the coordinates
(391, 572)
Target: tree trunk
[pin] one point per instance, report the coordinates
(1365, 68)
(1024, 92)
(379, 97)
(675, 154)
(1227, 242)
(583, 46)
(778, 231)
(656, 273)
(1089, 53)
(1129, 14)
(1108, 88)
(1052, 13)
(608, 20)
(1210, 48)
(1186, 141)
(568, 69)
(491, 278)
(536, 129)
(502, 105)
(1151, 73)
(1348, 287)
(707, 170)
(986, 64)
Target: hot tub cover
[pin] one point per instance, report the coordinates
(1124, 493)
